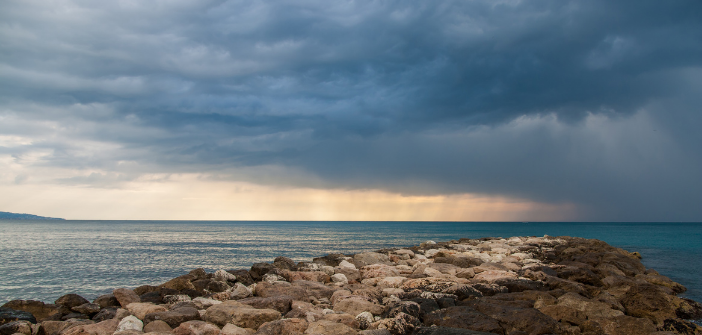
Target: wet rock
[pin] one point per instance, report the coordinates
(38, 309)
(125, 296)
(281, 303)
(283, 327)
(174, 317)
(143, 289)
(157, 326)
(240, 315)
(8, 315)
(196, 328)
(16, 327)
(325, 327)
(130, 323)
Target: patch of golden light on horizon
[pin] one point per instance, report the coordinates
(187, 197)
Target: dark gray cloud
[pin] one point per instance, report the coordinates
(594, 103)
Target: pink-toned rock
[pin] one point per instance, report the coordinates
(490, 276)
(391, 282)
(56, 327)
(230, 329)
(378, 270)
(125, 296)
(107, 327)
(317, 276)
(283, 327)
(157, 326)
(355, 305)
(240, 315)
(196, 328)
(325, 327)
(140, 309)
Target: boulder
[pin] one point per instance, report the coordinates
(178, 284)
(174, 317)
(281, 303)
(446, 331)
(284, 263)
(242, 276)
(342, 318)
(313, 289)
(204, 303)
(266, 290)
(464, 317)
(125, 296)
(240, 315)
(106, 300)
(283, 327)
(56, 327)
(196, 328)
(107, 327)
(38, 309)
(224, 276)
(400, 324)
(157, 326)
(130, 323)
(105, 314)
(230, 329)
(378, 271)
(355, 305)
(8, 315)
(141, 309)
(593, 309)
(152, 297)
(259, 269)
(87, 309)
(71, 300)
(16, 327)
(339, 279)
(325, 327)
(369, 258)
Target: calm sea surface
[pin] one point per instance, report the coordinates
(43, 260)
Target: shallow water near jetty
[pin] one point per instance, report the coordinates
(43, 260)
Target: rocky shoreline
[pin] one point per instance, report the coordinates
(515, 286)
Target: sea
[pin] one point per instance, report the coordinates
(43, 260)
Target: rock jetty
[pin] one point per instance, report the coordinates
(515, 286)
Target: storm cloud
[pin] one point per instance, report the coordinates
(591, 103)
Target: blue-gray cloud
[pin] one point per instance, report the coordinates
(589, 102)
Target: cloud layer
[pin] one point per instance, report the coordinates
(591, 103)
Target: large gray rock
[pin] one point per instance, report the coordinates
(38, 309)
(16, 327)
(8, 315)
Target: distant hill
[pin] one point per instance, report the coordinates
(16, 216)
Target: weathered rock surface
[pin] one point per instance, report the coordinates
(515, 286)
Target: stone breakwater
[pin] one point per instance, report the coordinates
(515, 286)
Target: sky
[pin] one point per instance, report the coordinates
(476, 110)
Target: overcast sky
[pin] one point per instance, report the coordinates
(388, 110)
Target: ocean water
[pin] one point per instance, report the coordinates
(43, 260)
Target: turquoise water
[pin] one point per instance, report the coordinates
(43, 260)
